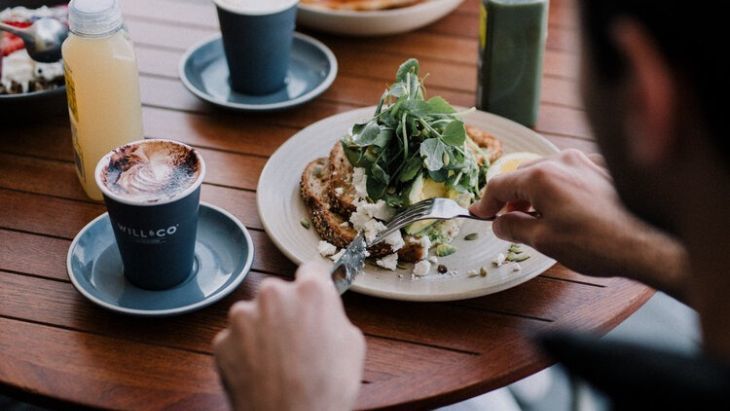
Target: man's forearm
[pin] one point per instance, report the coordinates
(660, 262)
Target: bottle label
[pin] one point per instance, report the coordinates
(73, 114)
(71, 92)
(78, 155)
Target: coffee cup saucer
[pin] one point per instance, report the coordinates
(312, 69)
(223, 257)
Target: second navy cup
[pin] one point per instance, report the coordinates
(257, 38)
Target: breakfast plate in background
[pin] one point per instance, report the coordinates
(316, 14)
(281, 210)
(42, 88)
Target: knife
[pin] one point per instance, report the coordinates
(350, 264)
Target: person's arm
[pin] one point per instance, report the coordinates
(582, 223)
(292, 348)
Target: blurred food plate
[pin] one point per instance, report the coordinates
(364, 18)
(28, 88)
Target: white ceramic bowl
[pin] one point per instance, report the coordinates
(375, 23)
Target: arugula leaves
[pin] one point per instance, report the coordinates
(409, 135)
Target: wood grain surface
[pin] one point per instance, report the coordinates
(59, 349)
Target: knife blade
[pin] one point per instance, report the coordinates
(350, 264)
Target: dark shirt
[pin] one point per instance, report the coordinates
(636, 377)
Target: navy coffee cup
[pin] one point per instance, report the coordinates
(151, 189)
(257, 38)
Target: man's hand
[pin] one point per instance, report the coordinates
(581, 222)
(292, 348)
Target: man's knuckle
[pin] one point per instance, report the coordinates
(219, 340)
(310, 285)
(270, 288)
(238, 310)
(573, 155)
(542, 175)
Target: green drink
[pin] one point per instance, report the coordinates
(511, 42)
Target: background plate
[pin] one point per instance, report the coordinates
(281, 210)
(375, 23)
(40, 103)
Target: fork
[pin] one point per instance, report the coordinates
(431, 209)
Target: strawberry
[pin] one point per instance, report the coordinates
(10, 43)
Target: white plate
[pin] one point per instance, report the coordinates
(377, 22)
(281, 209)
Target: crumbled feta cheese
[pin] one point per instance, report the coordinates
(365, 219)
(379, 210)
(367, 211)
(516, 267)
(371, 229)
(337, 256)
(339, 190)
(499, 261)
(395, 240)
(359, 219)
(421, 268)
(472, 273)
(425, 242)
(433, 259)
(389, 262)
(344, 224)
(360, 181)
(326, 249)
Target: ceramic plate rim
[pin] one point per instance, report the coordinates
(33, 94)
(365, 14)
(461, 295)
(321, 88)
(241, 275)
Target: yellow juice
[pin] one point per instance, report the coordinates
(103, 97)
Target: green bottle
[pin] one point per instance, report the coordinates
(512, 36)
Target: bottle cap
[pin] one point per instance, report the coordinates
(94, 18)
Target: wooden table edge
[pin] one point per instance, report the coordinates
(429, 402)
(472, 390)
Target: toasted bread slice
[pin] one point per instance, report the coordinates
(340, 190)
(333, 227)
(329, 225)
(485, 140)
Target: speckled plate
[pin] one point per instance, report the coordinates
(223, 257)
(281, 210)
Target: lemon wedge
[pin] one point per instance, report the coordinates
(509, 162)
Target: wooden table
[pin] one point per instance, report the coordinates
(59, 348)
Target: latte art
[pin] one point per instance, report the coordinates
(151, 171)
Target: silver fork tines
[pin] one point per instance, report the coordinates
(430, 209)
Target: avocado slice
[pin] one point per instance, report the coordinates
(418, 226)
(424, 188)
